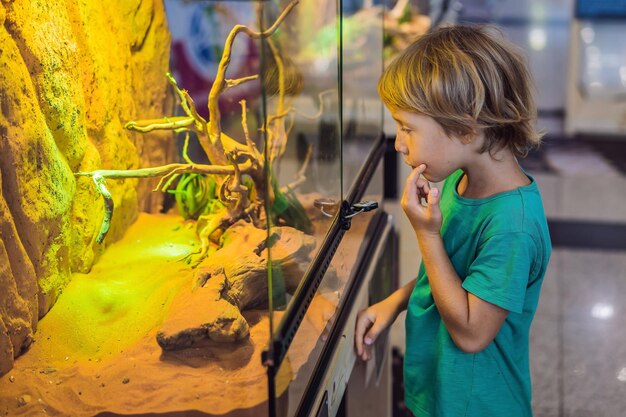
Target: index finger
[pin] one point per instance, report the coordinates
(412, 186)
(415, 174)
(363, 323)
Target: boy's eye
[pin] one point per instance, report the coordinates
(405, 130)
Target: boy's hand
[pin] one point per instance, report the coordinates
(369, 325)
(425, 218)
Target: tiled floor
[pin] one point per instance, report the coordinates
(578, 338)
(578, 353)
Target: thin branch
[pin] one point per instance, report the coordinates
(200, 121)
(277, 137)
(167, 184)
(246, 133)
(219, 84)
(280, 68)
(168, 179)
(235, 186)
(186, 102)
(300, 177)
(189, 107)
(278, 116)
(233, 83)
(166, 169)
(185, 148)
(99, 178)
(166, 123)
(292, 122)
(183, 99)
(320, 111)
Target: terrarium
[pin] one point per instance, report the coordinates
(188, 189)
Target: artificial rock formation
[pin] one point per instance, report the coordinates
(234, 279)
(72, 73)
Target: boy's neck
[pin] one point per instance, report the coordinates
(486, 175)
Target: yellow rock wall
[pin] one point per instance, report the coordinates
(72, 73)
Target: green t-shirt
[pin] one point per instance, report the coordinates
(499, 247)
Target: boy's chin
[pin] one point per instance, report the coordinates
(426, 174)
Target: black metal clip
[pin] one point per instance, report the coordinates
(348, 212)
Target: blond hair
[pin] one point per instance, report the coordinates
(466, 78)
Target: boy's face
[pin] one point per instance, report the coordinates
(421, 140)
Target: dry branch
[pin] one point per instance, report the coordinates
(229, 159)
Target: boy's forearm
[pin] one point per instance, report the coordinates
(400, 297)
(449, 295)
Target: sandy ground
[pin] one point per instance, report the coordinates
(95, 352)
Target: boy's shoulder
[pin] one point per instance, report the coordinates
(515, 211)
(519, 214)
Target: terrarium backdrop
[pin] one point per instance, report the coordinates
(72, 73)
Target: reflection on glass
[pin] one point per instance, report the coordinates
(302, 139)
(311, 337)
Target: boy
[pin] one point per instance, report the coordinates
(461, 97)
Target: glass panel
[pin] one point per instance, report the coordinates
(362, 52)
(303, 139)
(310, 39)
(312, 335)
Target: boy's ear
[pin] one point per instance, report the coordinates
(469, 137)
(465, 138)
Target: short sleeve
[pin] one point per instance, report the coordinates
(501, 270)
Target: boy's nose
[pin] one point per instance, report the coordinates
(398, 145)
